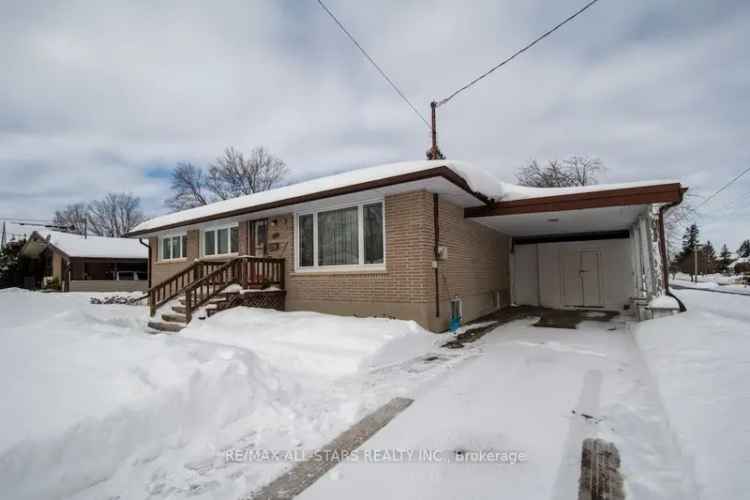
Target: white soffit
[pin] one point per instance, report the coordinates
(587, 220)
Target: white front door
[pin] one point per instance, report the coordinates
(580, 275)
(571, 276)
(590, 278)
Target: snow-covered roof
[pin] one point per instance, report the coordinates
(477, 180)
(75, 245)
(15, 231)
(511, 192)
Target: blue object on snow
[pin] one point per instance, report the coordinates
(455, 323)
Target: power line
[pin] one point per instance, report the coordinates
(519, 52)
(372, 61)
(722, 188)
(18, 220)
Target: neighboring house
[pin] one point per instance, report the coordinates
(86, 264)
(740, 265)
(419, 240)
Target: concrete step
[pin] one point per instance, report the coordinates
(160, 326)
(174, 317)
(179, 309)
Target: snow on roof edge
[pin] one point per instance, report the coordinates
(512, 192)
(75, 245)
(478, 181)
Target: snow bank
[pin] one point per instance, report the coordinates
(314, 343)
(663, 302)
(93, 407)
(87, 400)
(699, 360)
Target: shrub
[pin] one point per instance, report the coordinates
(53, 284)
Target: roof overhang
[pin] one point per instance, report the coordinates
(642, 195)
(442, 180)
(574, 213)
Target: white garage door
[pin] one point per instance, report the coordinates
(595, 273)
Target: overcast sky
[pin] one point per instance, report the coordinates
(98, 97)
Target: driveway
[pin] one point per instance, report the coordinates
(535, 393)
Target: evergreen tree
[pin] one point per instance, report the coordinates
(689, 240)
(725, 258)
(744, 250)
(10, 264)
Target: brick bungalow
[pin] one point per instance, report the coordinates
(420, 240)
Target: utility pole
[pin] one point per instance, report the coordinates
(2, 239)
(695, 261)
(434, 152)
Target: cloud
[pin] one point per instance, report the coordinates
(101, 97)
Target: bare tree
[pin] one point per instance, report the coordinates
(115, 214)
(229, 176)
(675, 221)
(551, 175)
(584, 170)
(233, 175)
(72, 216)
(575, 171)
(188, 186)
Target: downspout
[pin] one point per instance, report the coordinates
(148, 268)
(436, 226)
(663, 251)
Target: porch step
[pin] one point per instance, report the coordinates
(174, 317)
(161, 326)
(181, 308)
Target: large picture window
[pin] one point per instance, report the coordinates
(341, 238)
(221, 241)
(173, 247)
(338, 237)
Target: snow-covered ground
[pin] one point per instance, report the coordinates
(528, 391)
(719, 282)
(701, 362)
(94, 407)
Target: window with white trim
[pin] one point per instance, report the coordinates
(221, 241)
(341, 238)
(173, 247)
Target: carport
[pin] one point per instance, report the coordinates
(599, 247)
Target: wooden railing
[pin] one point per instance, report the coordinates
(244, 271)
(170, 288)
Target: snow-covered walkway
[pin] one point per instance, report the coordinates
(526, 395)
(701, 361)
